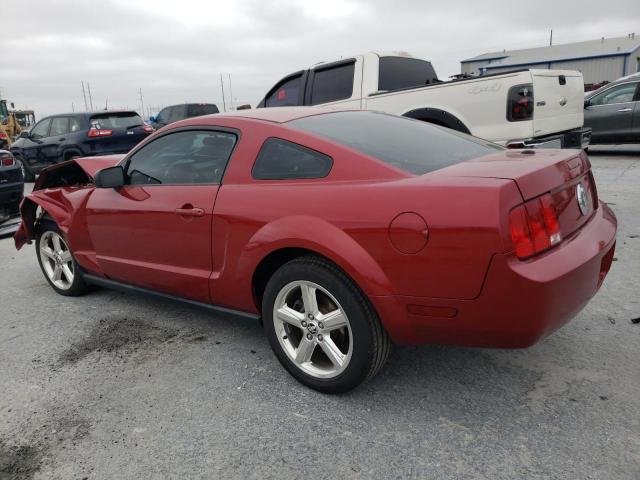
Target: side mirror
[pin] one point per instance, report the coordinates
(246, 106)
(24, 134)
(587, 102)
(153, 118)
(111, 177)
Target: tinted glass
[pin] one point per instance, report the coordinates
(410, 145)
(163, 115)
(332, 84)
(177, 112)
(74, 125)
(280, 160)
(59, 126)
(190, 157)
(401, 72)
(619, 94)
(116, 120)
(201, 109)
(41, 129)
(286, 94)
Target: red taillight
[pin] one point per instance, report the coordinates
(520, 103)
(8, 162)
(3, 135)
(534, 226)
(148, 128)
(100, 132)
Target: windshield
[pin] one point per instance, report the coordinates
(411, 145)
(116, 120)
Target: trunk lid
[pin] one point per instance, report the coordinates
(565, 174)
(558, 101)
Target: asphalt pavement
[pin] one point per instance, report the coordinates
(112, 385)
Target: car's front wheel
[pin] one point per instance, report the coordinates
(26, 173)
(56, 261)
(321, 326)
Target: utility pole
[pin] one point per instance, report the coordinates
(73, 107)
(84, 95)
(230, 94)
(224, 105)
(141, 100)
(551, 38)
(90, 99)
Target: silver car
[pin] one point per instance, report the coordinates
(613, 111)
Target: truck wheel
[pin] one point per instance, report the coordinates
(56, 261)
(321, 326)
(26, 173)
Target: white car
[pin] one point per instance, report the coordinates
(522, 108)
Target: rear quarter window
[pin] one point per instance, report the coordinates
(411, 145)
(401, 72)
(282, 160)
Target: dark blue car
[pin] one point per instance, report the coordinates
(62, 137)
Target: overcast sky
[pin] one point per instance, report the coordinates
(175, 50)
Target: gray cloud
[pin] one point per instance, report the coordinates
(175, 50)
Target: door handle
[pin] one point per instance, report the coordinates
(625, 109)
(190, 211)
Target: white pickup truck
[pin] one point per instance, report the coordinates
(522, 108)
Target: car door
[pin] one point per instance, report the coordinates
(610, 113)
(33, 145)
(52, 149)
(155, 232)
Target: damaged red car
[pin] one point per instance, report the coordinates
(343, 231)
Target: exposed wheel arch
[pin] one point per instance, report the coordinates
(272, 262)
(71, 153)
(438, 117)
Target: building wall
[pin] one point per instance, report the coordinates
(472, 67)
(593, 70)
(633, 62)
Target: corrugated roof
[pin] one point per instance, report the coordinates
(567, 51)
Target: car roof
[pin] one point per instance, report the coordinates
(89, 114)
(275, 114)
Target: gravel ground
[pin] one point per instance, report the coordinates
(116, 386)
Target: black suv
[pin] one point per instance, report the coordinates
(179, 112)
(11, 188)
(62, 137)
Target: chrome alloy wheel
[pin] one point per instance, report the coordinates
(313, 329)
(56, 259)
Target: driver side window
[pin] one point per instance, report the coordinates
(41, 130)
(190, 157)
(619, 94)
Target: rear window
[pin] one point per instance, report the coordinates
(402, 72)
(411, 145)
(202, 109)
(116, 120)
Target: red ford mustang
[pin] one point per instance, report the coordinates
(343, 231)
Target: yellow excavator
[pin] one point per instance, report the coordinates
(10, 126)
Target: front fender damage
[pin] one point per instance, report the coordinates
(59, 191)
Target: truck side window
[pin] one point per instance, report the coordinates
(403, 72)
(332, 84)
(286, 94)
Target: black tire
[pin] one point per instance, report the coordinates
(370, 343)
(78, 286)
(28, 175)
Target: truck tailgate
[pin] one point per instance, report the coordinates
(559, 101)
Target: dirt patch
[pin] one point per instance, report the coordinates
(117, 334)
(20, 462)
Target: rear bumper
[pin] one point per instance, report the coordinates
(521, 302)
(577, 138)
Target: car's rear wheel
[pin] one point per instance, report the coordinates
(321, 326)
(57, 262)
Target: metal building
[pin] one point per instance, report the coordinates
(602, 60)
